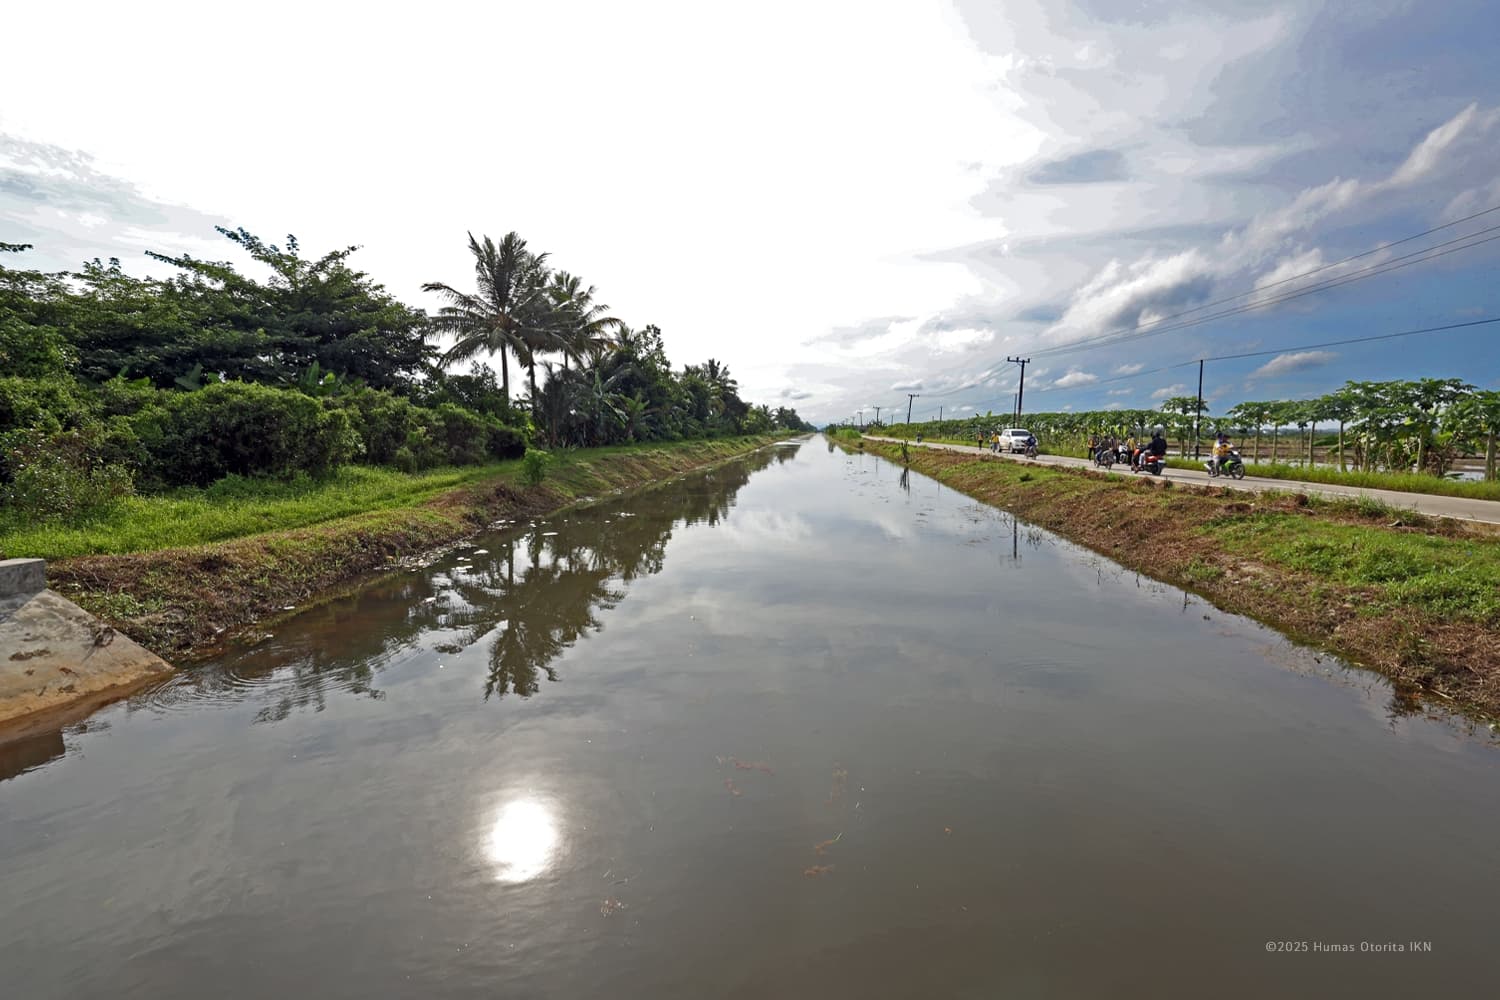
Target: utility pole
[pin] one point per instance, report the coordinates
(1198, 413)
(1021, 389)
(940, 413)
(877, 414)
(861, 419)
(909, 397)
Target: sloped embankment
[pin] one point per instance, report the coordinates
(183, 602)
(1416, 598)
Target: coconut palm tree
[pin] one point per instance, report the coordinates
(507, 312)
(585, 326)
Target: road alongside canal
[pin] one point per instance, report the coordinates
(1487, 511)
(805, 724)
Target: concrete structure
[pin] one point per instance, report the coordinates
(57, 659)
(20, 577)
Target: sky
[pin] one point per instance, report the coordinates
(847, 202)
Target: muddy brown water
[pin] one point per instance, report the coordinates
(802, 725)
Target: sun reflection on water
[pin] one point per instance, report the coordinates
(523, 842)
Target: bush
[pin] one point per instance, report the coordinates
(246, 430)
(398, 433)
(60, 476)
(48, 404)
(460, 434)
(384, 423)
(534, 467)
(504, 441)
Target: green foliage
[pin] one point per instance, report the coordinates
(1445, 576)
(308, 365)
(49, 403)
(233, 507)
(534, 467)
(60, 476)
(244, 429)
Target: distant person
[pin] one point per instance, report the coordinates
(1158, 445)
(1222, 448)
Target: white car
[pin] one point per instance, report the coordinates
(1014, 440)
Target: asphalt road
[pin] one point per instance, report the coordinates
(1487, 511)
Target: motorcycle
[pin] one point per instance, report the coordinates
(1153, 464)
(1232, 466)
(1104, 456)
(1030, 449)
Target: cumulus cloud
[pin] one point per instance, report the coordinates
(1119, 392)
(1296, 361)
(1129, 369)
(1167, 392)
(1075, 378)
(1122, 293)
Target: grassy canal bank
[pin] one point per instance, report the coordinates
(181, 574)
(1416, 598)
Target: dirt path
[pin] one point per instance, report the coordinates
(1487, 511)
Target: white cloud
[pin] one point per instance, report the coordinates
(1074, 379)
(1120, 392)
(1286, 364)
(953, 341)
(1129, 369)
(1287, 267)
(1167, 392)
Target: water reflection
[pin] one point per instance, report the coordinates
(529, 593)
(29, 753)
(523, 840)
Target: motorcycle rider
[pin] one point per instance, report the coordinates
(1156, 448)
(1220, 458)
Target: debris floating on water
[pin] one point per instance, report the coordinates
(753, 765)
(823, 847)
(816, 870)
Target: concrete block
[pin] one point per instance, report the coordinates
(22, 577)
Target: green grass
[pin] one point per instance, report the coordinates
(1403, 482)
(1452, 577)
(237, 507)
(232, 508)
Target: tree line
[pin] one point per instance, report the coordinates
(1412, 425)
(112, 383)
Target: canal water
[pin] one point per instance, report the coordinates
(802, 725)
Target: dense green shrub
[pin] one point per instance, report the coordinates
(120, 396)
(396, 432)
(505, 441)
(243, 429)
(461, 435)
(48, 404)
(384, 423)
(534, 467)
(60, 475)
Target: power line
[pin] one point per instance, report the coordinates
(1319, 269)
(1260, 354)
(1395, 264)
(1120, 334)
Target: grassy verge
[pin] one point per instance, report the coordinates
(1401, 482)
(181, 599)
(233, 508)
(1416, 598)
